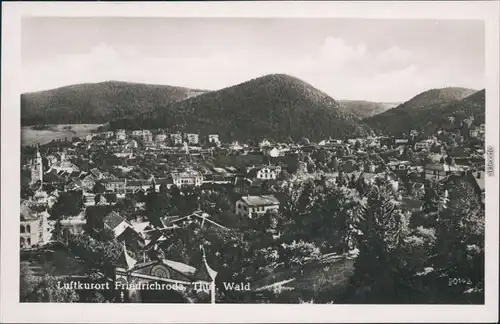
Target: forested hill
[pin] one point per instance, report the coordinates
(431, 117)
(437, 96)
(276, 106)
(97, 102)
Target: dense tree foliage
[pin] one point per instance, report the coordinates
(273, 106)
(420, 112)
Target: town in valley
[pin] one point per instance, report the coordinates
(363, 219)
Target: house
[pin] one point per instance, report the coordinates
(176, 138)
(399, 165)
(482, 128)
(264, 173)
(135, 185)
(214, 139)
(160, 138)
(412, 205)
(88, 182)
(401, 141)
(74, 184)
(187, 178)
(193, 139)
(115, 185)
(122, 229)
(116, 223)
(250, 206)
(96, 173)
(435, 171)
(121, 135)
(65, 166)
(35, 228)
(264, 143)
(423, 145)
(75, 224)
(147, 137)
(202, 220)
(88, 199)
(89, 137)
(132, 144)
(474, 132)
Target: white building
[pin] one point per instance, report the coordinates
(176, 138)
(264, 173)
(187, 178)
(254, 206)
(160, 138)
(265, 143)
(193, 139)
(35, 228)
(214, 139)
(65, 166)
(424, 145)
(235, 146)
(121, 135)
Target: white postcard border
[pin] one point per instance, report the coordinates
(13, 311)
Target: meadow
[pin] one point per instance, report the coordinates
(31, 135)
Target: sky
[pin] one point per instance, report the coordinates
(357, 59)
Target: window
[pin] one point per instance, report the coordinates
(28, 241)
(22, 241)
(22, 229)
(28, 229)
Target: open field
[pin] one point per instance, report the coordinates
(30, 136)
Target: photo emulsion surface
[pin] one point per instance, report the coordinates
(252, 160)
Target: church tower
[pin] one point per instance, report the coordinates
(37, 168)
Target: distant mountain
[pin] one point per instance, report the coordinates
(363, 109)
(431, 110)
(275, 106)
(436, 96)
(97, 102)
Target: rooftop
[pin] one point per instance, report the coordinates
(267, 200)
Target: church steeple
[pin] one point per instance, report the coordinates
(37, 167)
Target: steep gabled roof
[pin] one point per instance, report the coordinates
(113, 219)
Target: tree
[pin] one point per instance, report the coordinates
(341, 180)
(378, 275)
(157, 206)
(297, 254)
(98, 188)
(459, 250)
(48, 291)
(68, 204)
(357, 145)
(96, 254)
(292, 163)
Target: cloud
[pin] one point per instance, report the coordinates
(336, 51)
(394, 53)
(341, 69)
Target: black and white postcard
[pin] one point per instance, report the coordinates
(336, 161)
